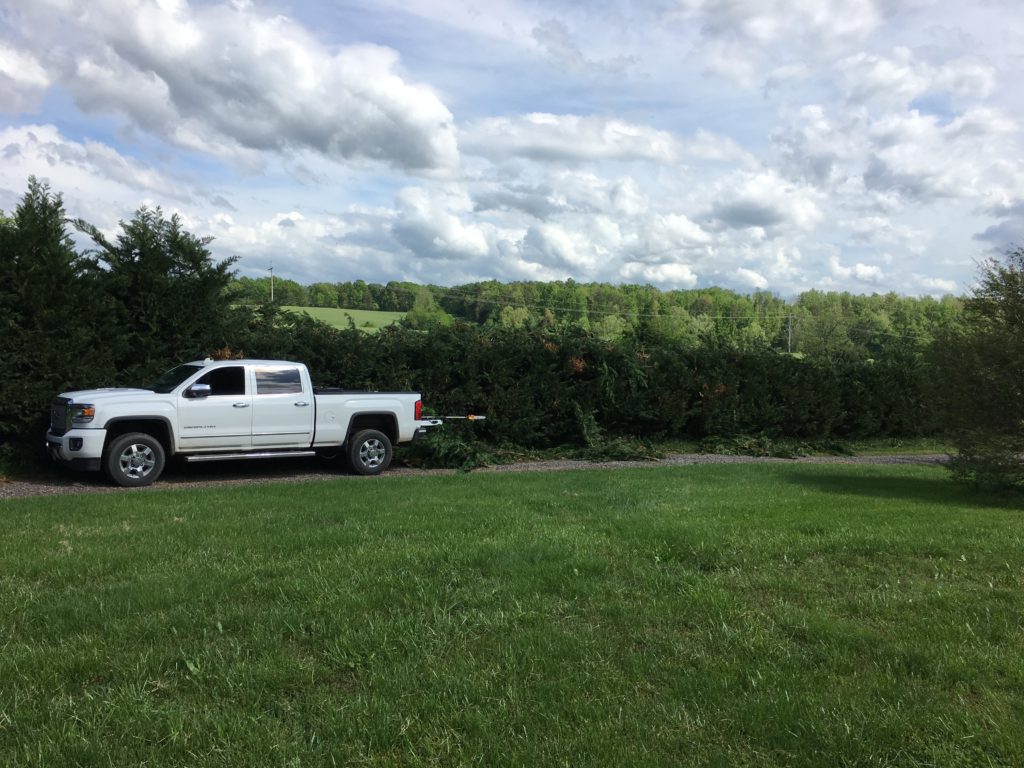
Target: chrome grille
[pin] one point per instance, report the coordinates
(60, 416)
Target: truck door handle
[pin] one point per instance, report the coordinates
(301, 405)
(241, 405)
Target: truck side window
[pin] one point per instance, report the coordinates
(278, 381)
(225, 381)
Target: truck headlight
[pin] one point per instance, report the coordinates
(82, 413)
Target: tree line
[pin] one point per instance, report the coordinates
(826, 324)
(707, 364)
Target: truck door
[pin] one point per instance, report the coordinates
(283, 408)
(221, 420)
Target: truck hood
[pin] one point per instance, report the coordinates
(98, 396)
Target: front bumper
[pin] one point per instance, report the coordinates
(77, 448)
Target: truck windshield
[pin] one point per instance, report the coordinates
(172, 378)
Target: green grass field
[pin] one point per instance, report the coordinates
(364, 319)
(755, 615)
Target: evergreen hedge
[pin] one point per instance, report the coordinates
(567, 386)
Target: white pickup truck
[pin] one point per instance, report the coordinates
(229, 409)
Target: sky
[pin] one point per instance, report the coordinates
(781, 145)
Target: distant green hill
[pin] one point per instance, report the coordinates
(365, 320)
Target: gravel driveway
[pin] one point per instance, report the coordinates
(57, 482)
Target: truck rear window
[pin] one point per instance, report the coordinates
(278, 381)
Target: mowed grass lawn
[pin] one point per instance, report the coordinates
(364, 319)
(710, 615)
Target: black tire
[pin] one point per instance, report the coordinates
(134, 460)
(369, 452)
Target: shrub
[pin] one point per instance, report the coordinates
(981, 370)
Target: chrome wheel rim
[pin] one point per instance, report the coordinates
(372, 453)
(137, 461)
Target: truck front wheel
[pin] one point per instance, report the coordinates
(134, 459)
(369, 452)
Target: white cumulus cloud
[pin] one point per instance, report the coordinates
(743, 40)
(233, 80)
(898, 79)
(668, 276)
(567, 138)
(84, 171)
(428, 224)
(864, 273)
(751, 278)
(23, 80)
(764, 201)
(920, 157)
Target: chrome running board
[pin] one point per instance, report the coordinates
(253, 455)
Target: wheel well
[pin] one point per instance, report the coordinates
(155, 427)
(383, 422)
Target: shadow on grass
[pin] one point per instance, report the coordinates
(939, 490)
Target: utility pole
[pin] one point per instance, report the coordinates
(270, 269)
(789, 347)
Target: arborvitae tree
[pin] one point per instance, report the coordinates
(167, 294)
(52, 333)
(980, 385)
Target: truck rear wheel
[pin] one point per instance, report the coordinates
(369, 452)
(134, 459)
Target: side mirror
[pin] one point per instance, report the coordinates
(199, 390)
